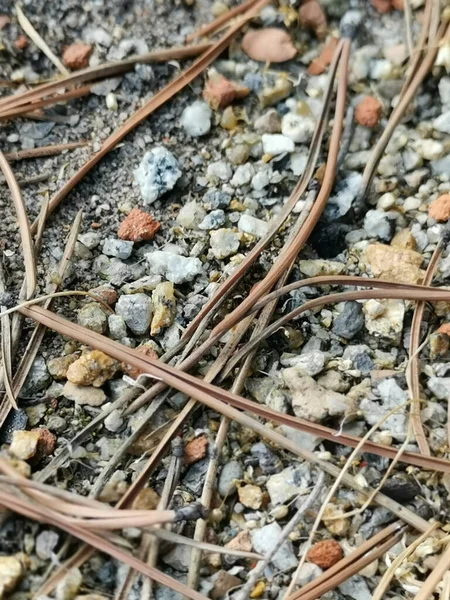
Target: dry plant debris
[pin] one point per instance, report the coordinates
(224, 353)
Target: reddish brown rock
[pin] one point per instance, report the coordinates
(134, 372)
(76, 56)
(398, 4)
(325, 554)
(382, 6)
(311, 16)
(439, 209)
(270, 44)
(138, 226)
(195, 450)
(21, 42)
(319, 64)
(46, 443)
(220, 92)
(368, 111)
(105, 293)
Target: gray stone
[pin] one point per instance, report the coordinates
(119, 248)
(117, 327)
(230, 471)
(136, 310)
(308, 572)
(56, 424)
(178, 558)
(220, 169)
(267, 460)
(38, 379)
(46, 542)
(92, 317)
(114, 421)
(243, 175)
(392, 396)
(379, 224)
(195, 476)
(175, 268)
(36, 131)
(355, 587)
(269, 122)
(289, 483)
(297, 128)
(253, 226)
(439, 387)
(308, 363)
(213, 220)
(350, 321)
(215, 198)
(196, 119)
(113, 270)
(157, 173)
(266, 538)
(277, 144)
(310, 400)
(224, 243)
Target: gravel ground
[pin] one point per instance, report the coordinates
(167, 216)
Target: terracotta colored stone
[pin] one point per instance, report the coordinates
(138, 226)
(382, 6)
(319, 64)
(368, 111)
(311, 16)
(106, 294)
(444, 329)
(270, 44)
(325, 554)
(398, 4)
(134, 372)
(439, 209)
(76, 56)
(46, 443)
(220, 92)
(195, 450)
(21, 42)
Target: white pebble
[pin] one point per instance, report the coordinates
(276, 143)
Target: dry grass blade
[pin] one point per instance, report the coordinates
(416, 419)
(37, 39)
(369, 551)
(24, 226)
(212, 397)
(39, 332)
(32, 110)
(6, 346)
(99, 72)
(155, 102)
(217, 23)
(43, 151)
(34, 511)
(390, 572)
(436, 575)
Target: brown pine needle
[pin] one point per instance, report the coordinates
(24, 226)
(43, 151)
(223, 19)
(38, 40)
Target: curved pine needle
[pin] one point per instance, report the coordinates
(24, 226)
(414, 341)
(37, 39)
(211, 394)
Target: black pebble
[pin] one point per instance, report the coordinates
(400, 490)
